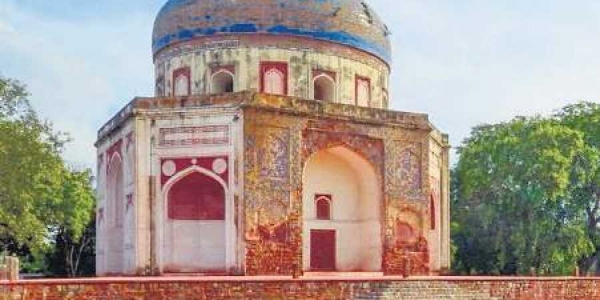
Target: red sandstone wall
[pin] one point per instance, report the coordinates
(321, 289)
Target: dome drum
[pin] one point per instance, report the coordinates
(344, 37)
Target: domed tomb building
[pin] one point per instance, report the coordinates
(269, 149)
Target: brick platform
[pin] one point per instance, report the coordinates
(267, 288)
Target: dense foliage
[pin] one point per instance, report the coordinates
(526, 195)
(41, 198)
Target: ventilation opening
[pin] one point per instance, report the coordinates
(324, 88)
(222, 82)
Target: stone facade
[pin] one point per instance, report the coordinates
(307, 289)
(266, 143)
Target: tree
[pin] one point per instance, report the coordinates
(73, 252)
(585, 118)
(39, 194)
(30, 168)
(73, 257)
(513, 205)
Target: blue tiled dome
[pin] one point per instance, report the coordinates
(348, 22)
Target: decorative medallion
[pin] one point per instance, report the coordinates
(169, 168)
(219, 166)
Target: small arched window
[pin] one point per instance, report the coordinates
(181, 82)
(222, 82)
(323, 205)
(274, 78)
(324, 88)
(274, 82)
(363, 91)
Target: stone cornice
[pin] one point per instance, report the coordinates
(274, 103)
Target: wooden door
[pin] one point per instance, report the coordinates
(322, 250)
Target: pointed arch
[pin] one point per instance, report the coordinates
(196, 196)
(323, 204)
(182, 82)
(169, 184)
(363, 91)
(114, 215)
(115, 182)
(354, 183)
(274, 82)
(200, 234)
(274, 77)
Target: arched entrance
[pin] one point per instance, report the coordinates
(195, 227)
(347, 238)
(114, 216)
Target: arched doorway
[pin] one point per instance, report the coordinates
(341, 213)
(114, 216)
(195, 227)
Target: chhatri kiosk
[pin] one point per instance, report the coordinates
(269, 149)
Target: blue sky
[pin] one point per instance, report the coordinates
(465, 62)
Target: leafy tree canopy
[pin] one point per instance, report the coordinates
(525, 195)
(39, 194)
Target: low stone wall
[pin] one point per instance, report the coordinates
(264, 288)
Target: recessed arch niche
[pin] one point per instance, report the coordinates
(356, 214)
